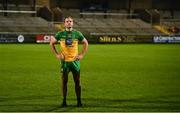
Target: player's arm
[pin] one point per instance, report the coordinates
(84, 49)
(54, 50)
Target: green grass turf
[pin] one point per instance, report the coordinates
(129, 77)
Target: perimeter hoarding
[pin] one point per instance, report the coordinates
(94, 39)
(17, 38)
(115, 39)
(25, 38)
(166, 39)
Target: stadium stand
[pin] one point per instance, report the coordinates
(171, 22)
(177, 14)
(71, 12)
(110, 25)
(26, 25)
(171, 25)
(111, 21)
(1, 7)
(57, 14)
(162, 29)
(165, 14)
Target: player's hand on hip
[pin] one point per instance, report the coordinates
(60, 56)
(79, 57)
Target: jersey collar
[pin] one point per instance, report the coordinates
(69, 29)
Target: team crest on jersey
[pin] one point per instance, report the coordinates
(69, 41)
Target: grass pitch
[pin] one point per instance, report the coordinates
(127, 77)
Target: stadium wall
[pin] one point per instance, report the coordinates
(25, 38)
(94, 39)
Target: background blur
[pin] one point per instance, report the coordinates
(101, 21)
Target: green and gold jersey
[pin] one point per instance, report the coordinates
(69, 43)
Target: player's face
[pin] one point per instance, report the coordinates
(68, 23)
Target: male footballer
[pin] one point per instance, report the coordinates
(69, 56)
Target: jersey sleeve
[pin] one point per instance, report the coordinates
(58, 36)
(81, 36)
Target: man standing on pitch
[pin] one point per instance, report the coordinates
(69, 56)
